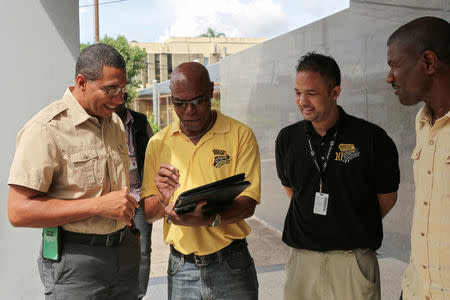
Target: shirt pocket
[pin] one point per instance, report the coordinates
(82, 166)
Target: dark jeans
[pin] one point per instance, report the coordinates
(93, 272)
(146, 249)
(401, 296)
(234, 278)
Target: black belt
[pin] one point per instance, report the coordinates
(105, 240)
(204, 260)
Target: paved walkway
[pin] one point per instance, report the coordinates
(270, 255)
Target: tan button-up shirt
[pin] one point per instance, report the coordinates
(428, 274)
(67, 154)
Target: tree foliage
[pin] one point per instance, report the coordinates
(134, 58)
(210, 32)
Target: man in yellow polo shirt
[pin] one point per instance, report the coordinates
(419, 57)
(209, 258)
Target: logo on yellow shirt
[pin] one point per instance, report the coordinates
(347, 153)
(220, 158)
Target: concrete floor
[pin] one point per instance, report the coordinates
(270, 255)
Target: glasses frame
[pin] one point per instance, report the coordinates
(182, 104)
(109, 92)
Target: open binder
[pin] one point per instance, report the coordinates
(218, 194)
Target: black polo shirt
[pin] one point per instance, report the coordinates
(363, 163)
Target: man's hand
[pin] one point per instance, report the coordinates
(167, 181)
(118, 205)
(193, 218)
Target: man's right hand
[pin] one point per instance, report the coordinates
(167, 181)
(118, 205)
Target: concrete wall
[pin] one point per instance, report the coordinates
(41, 43)
(257, 87)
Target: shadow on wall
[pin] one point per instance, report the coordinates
(58, 15)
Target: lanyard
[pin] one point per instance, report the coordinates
(325, 163)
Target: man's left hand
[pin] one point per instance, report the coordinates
(193, 218)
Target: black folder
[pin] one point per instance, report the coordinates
(218, 194)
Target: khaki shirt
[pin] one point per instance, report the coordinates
(67, 154)
(428, 274)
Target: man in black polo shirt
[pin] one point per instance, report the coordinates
(342, 176)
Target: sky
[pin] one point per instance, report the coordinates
(157, 20)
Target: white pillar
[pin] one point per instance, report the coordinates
(155, 102)
(39, 64)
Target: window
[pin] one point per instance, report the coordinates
(205, 61)
(169, 64)
(157, 68)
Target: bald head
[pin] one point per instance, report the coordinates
(426, 33)
(189, 75)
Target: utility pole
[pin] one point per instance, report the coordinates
(97, 38)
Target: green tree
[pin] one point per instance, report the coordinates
(134, 59)
(155, 127)
(210, 32)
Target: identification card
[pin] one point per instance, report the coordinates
(133, 163)
(321, 204)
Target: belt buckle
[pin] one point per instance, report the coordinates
(201, 260)
(111, 239)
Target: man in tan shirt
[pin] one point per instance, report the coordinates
(419, 57)
(71, 170)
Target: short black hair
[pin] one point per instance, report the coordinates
(93, 58)
(326, 66)
(425, 33)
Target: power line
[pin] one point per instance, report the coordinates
(103, 3)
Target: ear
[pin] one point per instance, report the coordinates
(81, 81)
(335, 92)
(431, 61)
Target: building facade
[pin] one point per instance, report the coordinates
(163, 57)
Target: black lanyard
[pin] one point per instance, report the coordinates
(314, 157)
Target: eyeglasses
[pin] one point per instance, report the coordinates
(109, 92)
(184, 103)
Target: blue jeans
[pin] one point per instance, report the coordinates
(146, 249)
(232, 278)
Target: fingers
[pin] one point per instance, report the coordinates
(132, 200)
(169, 175)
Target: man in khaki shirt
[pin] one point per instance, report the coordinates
(419, 57)
(71, 170)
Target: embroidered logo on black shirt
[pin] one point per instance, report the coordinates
(220, 158)
(347, 153)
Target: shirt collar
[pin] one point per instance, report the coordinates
(425, 116)
(220, 126)
(128, 118)
(76, 111)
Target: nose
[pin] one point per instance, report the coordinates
(190, 108)
(302, 99)
(390, 77)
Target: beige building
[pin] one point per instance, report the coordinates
(163, 57)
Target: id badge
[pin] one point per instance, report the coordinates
(321, 204)
(133, 163)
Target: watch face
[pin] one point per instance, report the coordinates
(216, 221)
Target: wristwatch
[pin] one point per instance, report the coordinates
(216, 222)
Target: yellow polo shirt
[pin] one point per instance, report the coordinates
(428, 274)
(228, 148)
